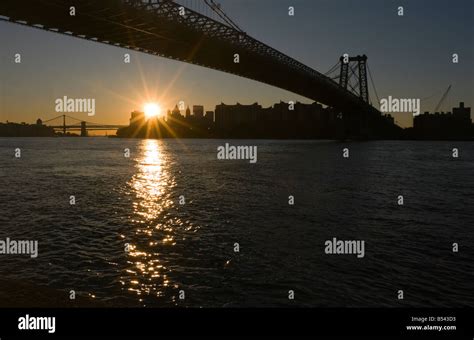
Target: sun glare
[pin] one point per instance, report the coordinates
(152, 110)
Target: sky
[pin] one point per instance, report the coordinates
(409, 56)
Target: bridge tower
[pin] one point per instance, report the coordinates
(353, 78)
(83, 129)
(64, 125)
(355, 67)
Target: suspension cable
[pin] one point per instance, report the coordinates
(373, 85)
(218, 10)
(332, 69)
(52, 119)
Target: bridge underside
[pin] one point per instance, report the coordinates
(156, 27)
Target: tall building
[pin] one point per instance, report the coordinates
(137, 118)
(176, 113)
(198, 111)
(209, 117)
(188, 113)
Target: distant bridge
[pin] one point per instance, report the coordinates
(168, 29)
(83, 126)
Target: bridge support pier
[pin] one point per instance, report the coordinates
(83, 129)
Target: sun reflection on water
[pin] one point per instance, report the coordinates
(152, 182)
(152, 186)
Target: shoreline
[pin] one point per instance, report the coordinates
(264, 139)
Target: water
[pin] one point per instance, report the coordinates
(190, 247)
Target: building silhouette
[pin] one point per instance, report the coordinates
(137, 118)
(198, 111)
(289, 121)
(231, 116)
(188, 113)
(441, 125)
(9, 129)
(209, 117)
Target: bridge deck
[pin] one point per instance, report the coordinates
(156, 27)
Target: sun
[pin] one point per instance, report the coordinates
(152, 110)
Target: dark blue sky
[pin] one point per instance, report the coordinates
(409, 56)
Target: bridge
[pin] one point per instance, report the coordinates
(168, 29)
(59, 123)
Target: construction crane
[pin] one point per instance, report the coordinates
(442, 99)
